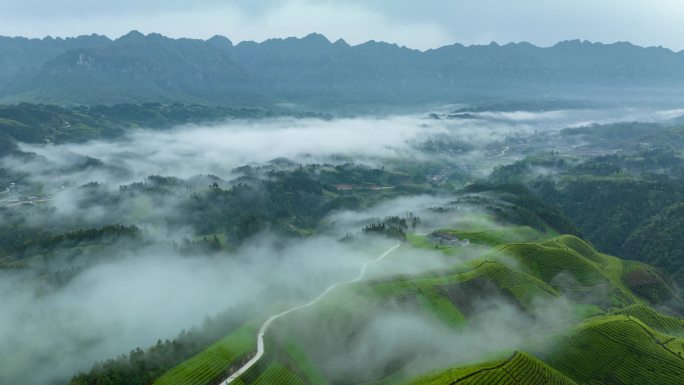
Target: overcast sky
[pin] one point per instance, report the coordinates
(418, 24)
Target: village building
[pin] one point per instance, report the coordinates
(443, 238)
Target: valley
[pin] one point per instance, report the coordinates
(410, 249)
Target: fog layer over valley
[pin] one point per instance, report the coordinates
(148, 293)
(219, 148)
(110, 245)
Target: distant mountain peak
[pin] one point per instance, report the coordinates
(134, 35)
(220, 40)
(573, 43)
(316, 37)
(341, 43)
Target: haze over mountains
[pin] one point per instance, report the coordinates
(316, 72)
(302, 211)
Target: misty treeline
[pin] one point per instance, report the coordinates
(40, 123)
(289, 200)
(393, 226)
(514, 203)
(143, 366)
(41, 245)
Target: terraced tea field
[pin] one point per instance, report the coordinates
(215, 361)
(521, 368)
(616, 350)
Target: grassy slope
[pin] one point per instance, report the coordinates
(569, 264)
(521, 368)
(655, 320)
(215, 361)
(616, 350)
(494, 237)
(277, 374)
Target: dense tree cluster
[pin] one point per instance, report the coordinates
(40, 123)
(516, 204)
(142, 367)
(42, 242)
(393, 227)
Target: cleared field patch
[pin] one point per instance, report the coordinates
(494, 237)
(420, 241)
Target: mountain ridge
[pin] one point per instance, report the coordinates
(312, 69)
(496, 43)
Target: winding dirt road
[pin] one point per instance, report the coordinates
(30, 202)
(269, 321)
(502, 153)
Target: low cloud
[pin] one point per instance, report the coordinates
(148, 293)
(398, 336)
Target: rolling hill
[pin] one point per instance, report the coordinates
(606, 335)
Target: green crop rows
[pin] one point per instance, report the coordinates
(213, 362)
(277, 374)
(659, 322)
(616, 350)
(521, 368)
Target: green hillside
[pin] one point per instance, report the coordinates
(616, 350)
(607, 334)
